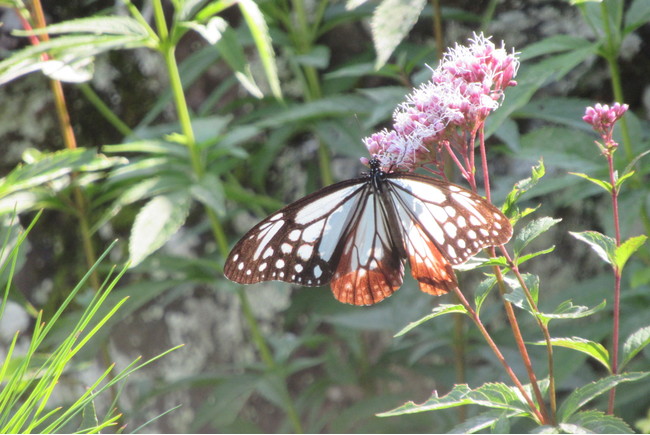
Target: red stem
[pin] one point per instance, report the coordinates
(617, 281)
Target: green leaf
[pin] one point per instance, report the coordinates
(602, 245)
(510, 205)
(517, 296)
(491, 395)
(525, 258)
(604, 184)
(586, 393)
(391, 22)
(209, 191)
(637, 15)
(566, 310)
(594, 422)
(591, 348)
(635, 344)
(482, 291)
(484, 421)
(531, 231)
(619, 181)
(106, 25)
(260, 31)
(630, 246)
(437, 311)
(156, 222)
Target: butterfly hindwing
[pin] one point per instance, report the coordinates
(370, 267)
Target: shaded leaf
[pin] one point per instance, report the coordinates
(604, 184)
(588, 392)
(483, 421)
(525, 258)
(601, 244)
(635, 344)
(595, 422)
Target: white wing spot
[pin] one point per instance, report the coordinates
(484, 232)
(497, 225)
(461, 243)
(313, 232)
(279, 264)
(450, 211)
(281, 274)
(472, 235)
(305, 251)
(451, 251)
(450, 229)
(317, 272)
(454, 188)
(286, 248)
(294, 235)
(248, 272)
(235, 257)
(268, 252)
(474, 221)
(298, 268)
(276, 217)
(262, 267)
(240, 266)
(462, 223)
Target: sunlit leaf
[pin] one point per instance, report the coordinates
(437, 311)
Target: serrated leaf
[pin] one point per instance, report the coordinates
(156, 222)
(566, 310)
(595, 422)
(108, 25)
(531, 231)
(491, 395)
(586, 393)
(604, 184)
(591, 348)
(626, 249)
(601, 244)
(455, 398)
(437, 311)
(391, 22)
(635, 344)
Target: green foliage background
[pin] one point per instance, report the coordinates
(202, 117)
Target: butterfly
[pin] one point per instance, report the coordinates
(357, 234)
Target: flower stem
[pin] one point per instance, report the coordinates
(500, 357)
(617, 281)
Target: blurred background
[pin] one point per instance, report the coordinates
(261, 129)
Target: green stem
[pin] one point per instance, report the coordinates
(104, 110)
(611, 54)
(167, 48)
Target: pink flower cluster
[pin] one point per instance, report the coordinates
(466, 86)
(602, 118)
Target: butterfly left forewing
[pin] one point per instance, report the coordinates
(297, 243)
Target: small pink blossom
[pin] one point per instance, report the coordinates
(602, 118)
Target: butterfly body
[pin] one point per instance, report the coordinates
(357, 234)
